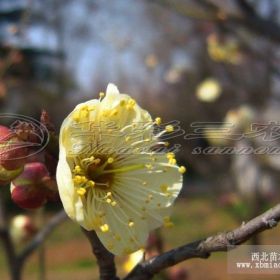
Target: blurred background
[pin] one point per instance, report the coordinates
(211, 65)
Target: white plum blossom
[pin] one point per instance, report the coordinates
(111, 179)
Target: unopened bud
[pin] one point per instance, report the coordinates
(22, 228)
(28, 190)
(12, 150)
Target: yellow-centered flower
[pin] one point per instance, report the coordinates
(109, 175)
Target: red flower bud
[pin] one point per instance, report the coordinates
(28, 189)
(12, 151)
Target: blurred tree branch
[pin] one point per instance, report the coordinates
(203, 248)
(208, 10)
(56, 220)
(16, 261)
(7, 241)
(251, 20)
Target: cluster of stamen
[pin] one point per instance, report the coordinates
(86, 175)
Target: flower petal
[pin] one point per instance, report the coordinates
(123, 238)
(70, 200)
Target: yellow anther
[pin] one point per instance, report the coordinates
(131, 102)
(77, 179)
(169, 128)
(144, 183)
(127, 138)
(108, 200)
(108, 194)
(114, 203)
(170, 155)
(84, 113)
(77, 169)
(131, 224)
(83, 179)
(122, 102)
(166, 144)
(81, 191)
(104, 228)
(114, 112)
(110, 160)
(182, 169)
(101, 94)
(76, 115)
(164, 188)
(83, 107)
(158, 121)
(91, 183)
(172, 161)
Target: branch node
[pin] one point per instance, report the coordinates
(271, 223)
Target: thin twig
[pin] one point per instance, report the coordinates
(249, 19)
(6, 240)
(203, 248)
(42, 235)
(267, 28)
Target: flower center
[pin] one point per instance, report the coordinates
(91, 172)
(98, 172)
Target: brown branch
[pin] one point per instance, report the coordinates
(42, 235)
(203, 248)
(105, 260)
